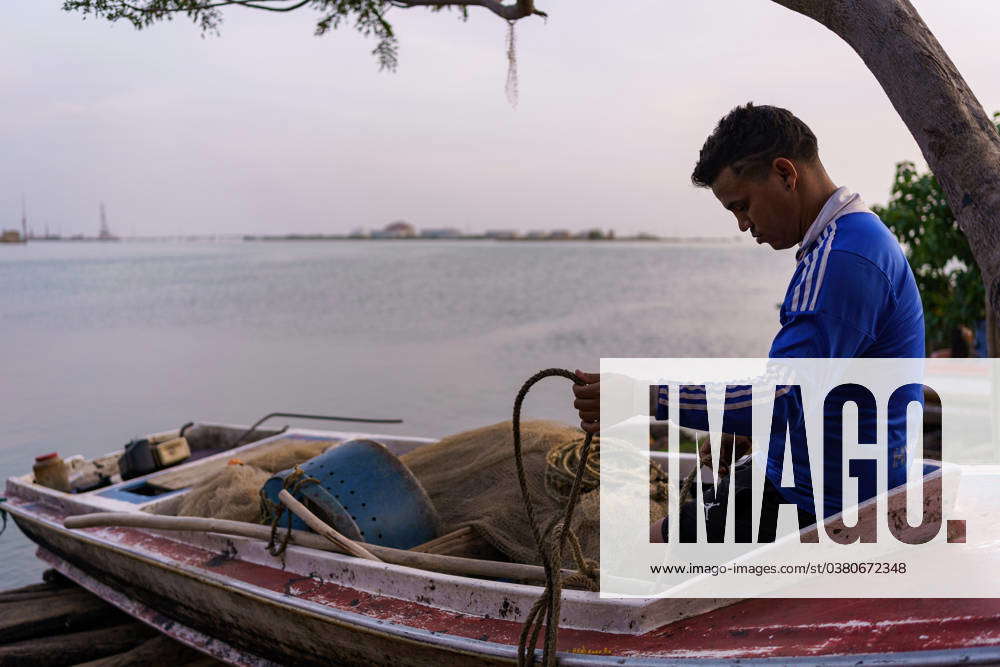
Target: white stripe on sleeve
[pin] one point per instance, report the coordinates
(822, 265)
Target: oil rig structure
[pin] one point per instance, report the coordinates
(105, 233)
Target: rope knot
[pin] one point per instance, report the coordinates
(271, 512)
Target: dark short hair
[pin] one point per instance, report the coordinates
(749, 138)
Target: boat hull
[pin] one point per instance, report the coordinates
(228, 597)
(284, 618)
(260, 626)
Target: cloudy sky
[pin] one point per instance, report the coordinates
(268, 129)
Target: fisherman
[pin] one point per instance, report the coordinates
(852, 293)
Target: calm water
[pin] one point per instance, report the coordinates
(103, 342)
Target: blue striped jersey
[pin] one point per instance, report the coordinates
(852, 295)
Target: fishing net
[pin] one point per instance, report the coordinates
(287, 456)
(471, 479)
(234, 491)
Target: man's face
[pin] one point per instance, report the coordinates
(766, 207)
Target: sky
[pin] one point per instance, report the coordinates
(268, 129)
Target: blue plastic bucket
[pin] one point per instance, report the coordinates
(363, 492)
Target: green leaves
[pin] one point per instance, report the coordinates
(366, 16)
(949, 280)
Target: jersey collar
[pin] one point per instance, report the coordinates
(840, 203)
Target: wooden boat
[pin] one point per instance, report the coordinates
(226, 596)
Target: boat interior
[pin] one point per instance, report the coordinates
(214, 446)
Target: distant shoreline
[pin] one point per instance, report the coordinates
(516, 239)
(333, 237)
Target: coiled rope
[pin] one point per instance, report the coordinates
(272, 512)
(550, 544)
(562, 462)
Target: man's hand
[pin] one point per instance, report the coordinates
(588, 401)
(742, 444)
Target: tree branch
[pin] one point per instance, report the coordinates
(955, 135)
(222, 3)
(367, 16)
(254, 5)
(520, 10)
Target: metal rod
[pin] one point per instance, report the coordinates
(296, 415)
(323, 529)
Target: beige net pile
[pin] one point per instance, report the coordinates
(234, 491)
(471, 479)
(291, 454)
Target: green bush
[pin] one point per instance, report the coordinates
(949, 280)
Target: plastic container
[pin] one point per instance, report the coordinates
(137, 460)
(365, 493)
(50, 471)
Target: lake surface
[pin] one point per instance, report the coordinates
(102, 342)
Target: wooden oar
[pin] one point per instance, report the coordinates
(465, 541)
(464, 567)
(322, 528)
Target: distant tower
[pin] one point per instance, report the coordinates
(105, 233)
(24, 220)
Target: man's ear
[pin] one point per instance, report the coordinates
(787, 172)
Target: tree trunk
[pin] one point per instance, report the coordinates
(992, 329)
(957, 137)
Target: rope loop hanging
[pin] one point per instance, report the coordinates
(551, 543)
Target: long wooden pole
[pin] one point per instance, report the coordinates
(321, 528)
(466, 567)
